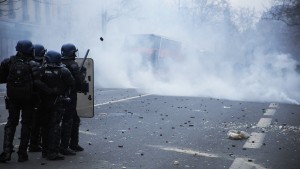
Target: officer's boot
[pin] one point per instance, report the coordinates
(5, 157)
(25, 134)
(55, 156)
(23, 156)
(53, 145)
(65, 138)
(75, 136)
(9, 133)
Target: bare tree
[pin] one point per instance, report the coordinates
(115, 10)
(201, 12)
(244, 18)
(282, 23)
(287, 11)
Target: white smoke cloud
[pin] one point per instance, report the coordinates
(213, 64)
(257, 4)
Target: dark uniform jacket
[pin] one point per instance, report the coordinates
(72, 65)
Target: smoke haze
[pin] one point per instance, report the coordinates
(215, 62)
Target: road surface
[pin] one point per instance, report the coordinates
(136, 130)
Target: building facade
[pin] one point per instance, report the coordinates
(20, 19)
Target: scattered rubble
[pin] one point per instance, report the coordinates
(176, 162)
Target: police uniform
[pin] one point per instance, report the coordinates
(35, 136)
(71, 120)
(16, 104)
(55, 84)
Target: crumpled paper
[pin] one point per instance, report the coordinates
(237, 135)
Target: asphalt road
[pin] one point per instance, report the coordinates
(135, 130)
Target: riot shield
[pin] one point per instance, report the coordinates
(85, 101)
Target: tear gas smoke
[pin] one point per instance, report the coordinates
(214, 62)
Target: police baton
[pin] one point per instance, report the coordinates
(86, 54)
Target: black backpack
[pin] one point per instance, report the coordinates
(19, 80)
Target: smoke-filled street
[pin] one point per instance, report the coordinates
(204, 84)
(140, 130)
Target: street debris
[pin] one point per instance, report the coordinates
(237, 135)
(176, 162)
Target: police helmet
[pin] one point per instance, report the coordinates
(39, 50)
(25, 47)
(68, 50)
(53, 57)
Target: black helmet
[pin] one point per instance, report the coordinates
(39, 53)
(25, 47)
(53, 57)
(39, 50)
(68, 50)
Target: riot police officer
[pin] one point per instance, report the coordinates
(55, 85)
(39, 53)
(35, 137)
(17, 73)
(71, 121)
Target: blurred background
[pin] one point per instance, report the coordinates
(229, 49)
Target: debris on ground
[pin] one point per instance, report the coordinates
(237, 135)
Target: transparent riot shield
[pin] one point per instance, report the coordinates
(85, 101)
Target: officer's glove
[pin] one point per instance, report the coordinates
(83, 71)
(64, 100)
(67, 99)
